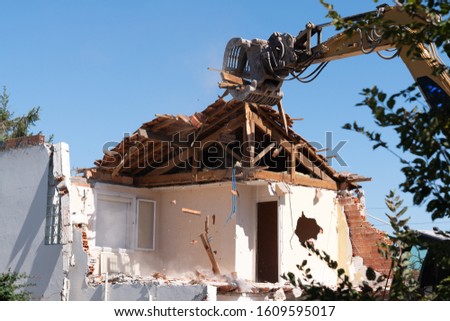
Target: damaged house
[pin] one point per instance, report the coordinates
(229, 193)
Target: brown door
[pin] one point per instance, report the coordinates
(267, 242)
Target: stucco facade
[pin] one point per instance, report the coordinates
(26, 202)
(178, 249)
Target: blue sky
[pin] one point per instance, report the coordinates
(100, 69)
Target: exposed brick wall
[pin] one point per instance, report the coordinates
(22, 141)
(364, 236)
(84, 239)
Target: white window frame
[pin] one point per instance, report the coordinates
(138, 200)
(126, 199)
(132, 220)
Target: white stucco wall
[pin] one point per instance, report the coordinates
(178, 247)
(333, 239)
(245, 220)
(24, 179)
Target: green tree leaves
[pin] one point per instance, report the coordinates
(12, 287)
(14, 127)
(423, 130)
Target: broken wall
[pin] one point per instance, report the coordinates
(181, 249)
(178, 249)
(365, 238)
(312, 214)
(27, 184)
(304, 213)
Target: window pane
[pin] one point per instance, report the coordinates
(111, 223)
(146, 220)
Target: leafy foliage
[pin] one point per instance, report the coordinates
(402, 282)
(423, 130)
(424, 136)
(345, 290)
(12, 288)
(14, 127)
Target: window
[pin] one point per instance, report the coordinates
(125, 223)
(53, 224)
(112, 222)
(145, 225)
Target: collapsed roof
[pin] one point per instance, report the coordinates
(227, 140)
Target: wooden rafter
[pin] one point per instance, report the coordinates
(283, 116)
(185, 154)
(279, 136)
(238, 120)
(297, 180)
(249, 138)
(263, 152)
(182, 178)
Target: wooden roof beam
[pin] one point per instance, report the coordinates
(182, 178)
(279, 136)
(297, 180)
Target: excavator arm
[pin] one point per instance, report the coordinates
(254, 70)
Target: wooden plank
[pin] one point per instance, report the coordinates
(279, 136)
(211, 256)
(107, 177)
(179, 158)
(189, 211)
(182, 178)
(274, 125)
(142, 133)
(207, 224)
(235, 155)
(231, 78)
(196, 163)
(263, 152)
(165, 123)
(119, 167)
(231, 125)
(249, 138)
(298, 180)
(283, 116)
(203, 140)
(169, 139)
(186, 154)
(293, 164)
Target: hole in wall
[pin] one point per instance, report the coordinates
(307, 229)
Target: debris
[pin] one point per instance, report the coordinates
(282, 189)
(189, 211)
(279, 295)
(200, 275)
(297, 292)
(212, 258)
(227, 288)
(174, 202)
(197, 120)
(207, 224)
(194, 242)
(158, 275)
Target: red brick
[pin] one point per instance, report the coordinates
(351, 207)
(346, 200)
(24, 141)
